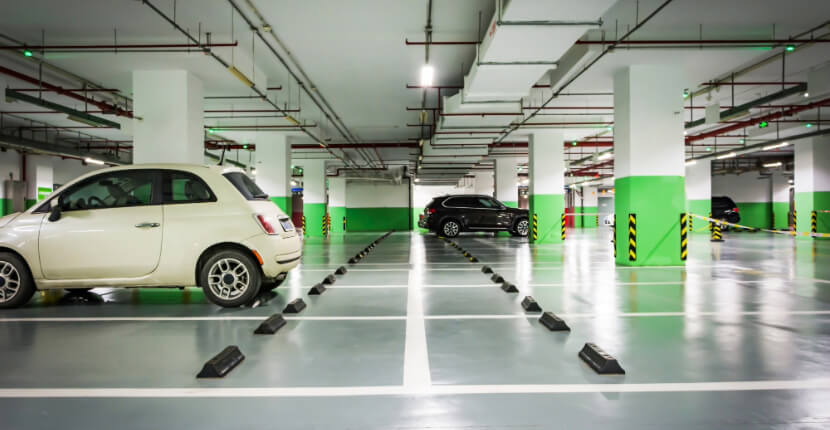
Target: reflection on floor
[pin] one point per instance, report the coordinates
(415, 336)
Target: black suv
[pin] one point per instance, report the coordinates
(723, 208)
(450, 215)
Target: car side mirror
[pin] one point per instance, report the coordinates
(54, 210)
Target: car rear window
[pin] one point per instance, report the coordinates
(246, 186)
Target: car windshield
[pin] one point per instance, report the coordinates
(246, 186)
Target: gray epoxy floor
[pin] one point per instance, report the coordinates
(414, 336)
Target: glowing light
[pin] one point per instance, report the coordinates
(427, 75)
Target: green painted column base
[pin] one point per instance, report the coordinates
(589, 221)
(337, 214)
(284, 204)
(657, 202)
(378, 219)
(781, 215)
(702, 208)
(755, 214)
(314, 213)
(548, 209)
(805, 203)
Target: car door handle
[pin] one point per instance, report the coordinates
(148, 225)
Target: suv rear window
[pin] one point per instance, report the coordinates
(246, 186)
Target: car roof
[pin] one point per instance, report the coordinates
(194, 168)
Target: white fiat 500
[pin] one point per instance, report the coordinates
(150, 226)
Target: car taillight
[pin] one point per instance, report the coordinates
(431, 210)
(265, 224)
(421, 216)
(735, 210)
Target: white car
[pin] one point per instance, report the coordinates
(153, 225)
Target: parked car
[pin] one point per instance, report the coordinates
(451, 215)
(150, 226)
(723, 208)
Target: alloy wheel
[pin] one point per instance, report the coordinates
(9, 281)
(228, 278)
(522, 227)
(451, 228)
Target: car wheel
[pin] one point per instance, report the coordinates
(271, 284)
(522, 228)
(16, 285)
(450, 228)
(230, 278)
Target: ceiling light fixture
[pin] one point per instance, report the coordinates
(93, 161)
(776, 164)
(27, 53)
(427, 75)
(729, 155)
(691, 162)
(605, 156)
(777, 145)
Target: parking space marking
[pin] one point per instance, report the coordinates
(400, 390)
(416, 359)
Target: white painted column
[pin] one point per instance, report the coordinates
(314, 195)
(780, 200)
(483, 183)
(649, 161)
(337, 203)
(699, 190)
(171, 125)
(507, 191)
(39, 178)
(546, 172)
(590, 200)
(812, 183)
(273, 169)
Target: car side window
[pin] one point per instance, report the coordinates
(112, 190)
(184, 187)
(487, 203)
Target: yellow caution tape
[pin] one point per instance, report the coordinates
(787, 232)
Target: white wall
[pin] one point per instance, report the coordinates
(780, 188)
(699, 180)
(376, 194)
(745, 188)
(589, 197)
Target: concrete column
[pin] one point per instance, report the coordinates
(546, 172)
(699, 192)
(483, 183)
(649, 163)
(780, 201)
(589, 207)
(39, 178)
(171, 125)
(314, 195)
(507, 191)
(337, 204)
(273, 169)
(812, 183)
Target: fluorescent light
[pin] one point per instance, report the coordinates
(417, 180)
(729, 155)
(427, 75)
(93, 161)
(777, 145)
(605, 156)
(776, 164)
(241, 76)
(292, 120)
(253, 171)
(691, 162)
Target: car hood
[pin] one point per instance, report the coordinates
(8, 218)
(517, 211)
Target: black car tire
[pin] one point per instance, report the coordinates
(15, 273)
(271, 284)
(517, 231)
(450, 228)
(230, 262)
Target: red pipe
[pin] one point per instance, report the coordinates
(440, 43)
(80, 90)
(115, 47)
(594, 166)
(565, 123)
(440, 87)
(729, 84)
(482, 114)
(256, 127)
(106, 107)
(250, 110)
(568, 107)
(741, 124)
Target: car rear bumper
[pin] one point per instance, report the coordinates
(279, 253)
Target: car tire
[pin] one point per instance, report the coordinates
(521, 229)
(450, 228)
(271, 284)
(230, 278)
(16, 284)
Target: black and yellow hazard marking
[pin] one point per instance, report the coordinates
(684, 236)
(535, 228)
(690, 223)
(563, 226)
(813, 222)
(614, 235)
(344, 223)
(711, 224)
(325, 227)
(716, 233)
(632, 237)
(304, 230)
(795, 222)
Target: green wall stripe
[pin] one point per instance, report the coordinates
(658, 219)
(548, 209)
(377, 219)
(755, 214)
(781, 218)
(337, 213)
(313, 213)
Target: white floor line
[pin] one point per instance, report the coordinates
(398, 390)
(418, 341)
(416, 373)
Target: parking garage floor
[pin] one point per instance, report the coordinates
(415, 336)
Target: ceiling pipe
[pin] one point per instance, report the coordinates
(760, 146)
(622, 42)
(249, 110)
(753, 121)
(116, 47)
(105, 107)
(741, 109)
(38, 147)
(80, 90)
(434, 43)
